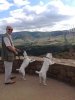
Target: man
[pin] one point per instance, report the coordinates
(8, 54)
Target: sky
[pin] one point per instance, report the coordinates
(37, 15)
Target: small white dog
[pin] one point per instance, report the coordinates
(25, 63)
(42, 73)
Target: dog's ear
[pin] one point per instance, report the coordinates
(25, 53)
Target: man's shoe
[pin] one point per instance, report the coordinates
(12, 77)
(11, 82)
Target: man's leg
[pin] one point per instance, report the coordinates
(8, 70)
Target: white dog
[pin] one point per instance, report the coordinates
(25, 63)
(42, 73)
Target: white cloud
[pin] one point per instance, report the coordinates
(21, 2)
(17, 13)
(53, 15)
(4, 5)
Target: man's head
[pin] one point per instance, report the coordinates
(9, 29)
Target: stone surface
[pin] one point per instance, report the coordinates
(63, 69)
(32, 90)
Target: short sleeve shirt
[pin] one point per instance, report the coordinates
(7, 41)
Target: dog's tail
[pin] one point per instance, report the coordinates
(17, 69)
(37, 72)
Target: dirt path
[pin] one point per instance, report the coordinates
(32, 90)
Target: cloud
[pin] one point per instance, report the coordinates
(53, 15)
(40, 16)
(4, 5)
(21, 2)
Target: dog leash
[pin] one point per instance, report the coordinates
(18, 55)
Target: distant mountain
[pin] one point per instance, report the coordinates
(25, 35)
(36, 34)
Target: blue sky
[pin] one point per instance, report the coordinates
(37, 15)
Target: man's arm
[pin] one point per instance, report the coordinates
(13, 49)
(8, 45)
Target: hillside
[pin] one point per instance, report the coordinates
(42, 38)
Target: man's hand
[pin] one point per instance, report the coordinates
(12, 49)
(18, 50)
